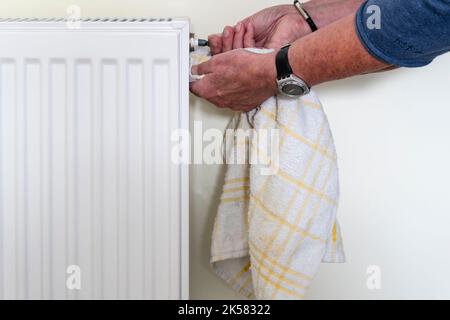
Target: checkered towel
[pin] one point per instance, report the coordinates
(274, 227)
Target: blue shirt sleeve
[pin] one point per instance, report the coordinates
(408, 33)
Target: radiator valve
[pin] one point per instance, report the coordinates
(195, 42)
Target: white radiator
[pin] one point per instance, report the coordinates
(91, 205)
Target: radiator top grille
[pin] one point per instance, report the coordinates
(86, 20)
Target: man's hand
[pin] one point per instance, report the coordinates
(239, 79)
(280, 25)
(270, 28)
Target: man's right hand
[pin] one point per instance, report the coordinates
(280, 25)
(270, 28)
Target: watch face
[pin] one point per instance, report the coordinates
(292, 86)
(292, 89)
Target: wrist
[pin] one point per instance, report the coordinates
(298, 23)
(288, 9)
(309, 14)
(301, 25)
(289, 83)
(270, 72)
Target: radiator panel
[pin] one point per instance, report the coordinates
(86, 175)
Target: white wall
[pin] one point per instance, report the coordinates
(391, 133)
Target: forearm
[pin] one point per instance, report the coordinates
(332, 53)
(325, 12)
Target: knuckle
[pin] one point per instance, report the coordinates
(219, 93)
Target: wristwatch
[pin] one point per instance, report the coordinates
(288, 83)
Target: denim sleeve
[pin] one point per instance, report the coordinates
(409, 33)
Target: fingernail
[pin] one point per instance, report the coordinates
(238, 27)
(226, 32)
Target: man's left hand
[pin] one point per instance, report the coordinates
(238, 79)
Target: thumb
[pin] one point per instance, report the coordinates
(200, 88)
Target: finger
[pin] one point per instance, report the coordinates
(239, 31)
(215, 43)
(249, 38)
(201, 88)
(228, 36)
(202, 68)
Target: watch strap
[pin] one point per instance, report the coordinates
(284, 68)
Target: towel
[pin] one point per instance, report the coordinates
(276, 221)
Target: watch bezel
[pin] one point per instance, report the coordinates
(292, 79)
